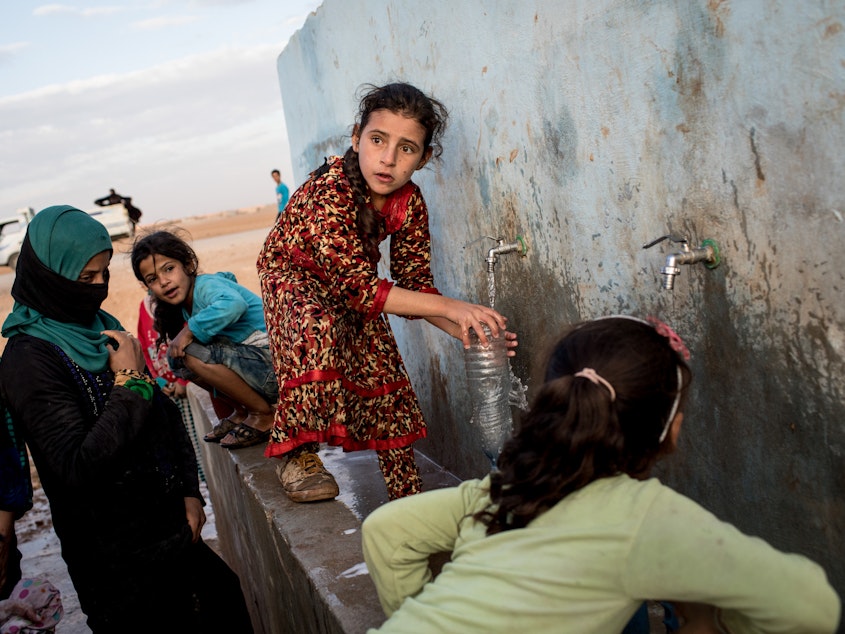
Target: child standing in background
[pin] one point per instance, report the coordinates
(340, 374)
(571, 534)
(216, 334)
(282, 192)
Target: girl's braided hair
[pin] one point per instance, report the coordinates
(399, 98)
(575, 433)
(167, 318)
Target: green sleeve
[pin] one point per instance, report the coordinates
(398, 538)
(682, 552)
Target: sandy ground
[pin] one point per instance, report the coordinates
(227, 241)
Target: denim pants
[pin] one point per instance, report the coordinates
(252, 363)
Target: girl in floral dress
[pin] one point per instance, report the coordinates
(341, 377)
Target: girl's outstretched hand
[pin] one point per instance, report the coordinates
(475, 316)
(124, 351)
(176, 390)
(511, 342)
(454, 316)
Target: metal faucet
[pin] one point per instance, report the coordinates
(501, 248)
(708, 253)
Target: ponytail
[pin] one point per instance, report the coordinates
(612, 386)
(570, 437)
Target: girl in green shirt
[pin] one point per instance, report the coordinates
(571, 534)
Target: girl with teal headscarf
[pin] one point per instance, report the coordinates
(50, 303)
(111, 451)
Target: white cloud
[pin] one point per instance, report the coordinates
(196, 134)
(8, 51)
(53, 9)
(164, 22)
(219, 113)
(95, 11)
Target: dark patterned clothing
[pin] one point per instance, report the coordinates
(341, 377)
(15, 483)
(15, 492)
(116, 469)
(400, 472)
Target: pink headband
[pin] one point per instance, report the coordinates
(675, 342)
(592, 375)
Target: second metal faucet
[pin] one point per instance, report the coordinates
(708, 253)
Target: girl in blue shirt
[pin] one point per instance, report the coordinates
(216, 333)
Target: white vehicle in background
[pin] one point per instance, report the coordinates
(12, 232)
(115, 218)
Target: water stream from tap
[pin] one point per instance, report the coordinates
(517, 395)
(491, 288)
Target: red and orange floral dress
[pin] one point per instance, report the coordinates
(341, 376)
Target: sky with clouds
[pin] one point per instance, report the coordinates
(175, 103)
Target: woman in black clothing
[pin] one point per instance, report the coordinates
(112, 453)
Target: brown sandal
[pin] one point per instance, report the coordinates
(220, 430)
(244, 436)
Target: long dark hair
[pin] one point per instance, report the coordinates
(399, 98)
(167, 318)
(575, 433)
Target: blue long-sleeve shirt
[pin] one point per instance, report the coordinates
(224, 308)
(282, 196)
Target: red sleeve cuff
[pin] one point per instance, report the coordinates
(381, 297)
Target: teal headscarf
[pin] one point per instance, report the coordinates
(59, 242)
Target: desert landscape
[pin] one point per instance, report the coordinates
(226, 241)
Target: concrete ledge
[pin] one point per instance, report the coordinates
(300, 565)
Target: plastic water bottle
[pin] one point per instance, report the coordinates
(489, 384)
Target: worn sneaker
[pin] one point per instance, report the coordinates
(305, 479)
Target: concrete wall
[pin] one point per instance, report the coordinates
(592, 127)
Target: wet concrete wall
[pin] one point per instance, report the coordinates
(591, 128)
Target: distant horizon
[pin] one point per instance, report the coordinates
(224, 212)
(190, 126)
(149, 219)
